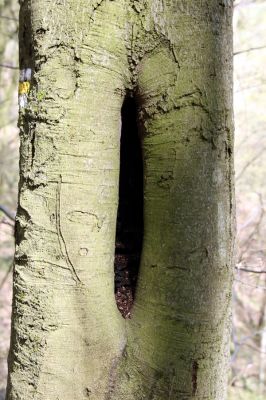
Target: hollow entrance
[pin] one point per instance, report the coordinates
(129, 226)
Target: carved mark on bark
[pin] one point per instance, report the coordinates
(32, 148)
(62, 241)
(195, 367)
(97, 4)
(87, 392)
(166, 179)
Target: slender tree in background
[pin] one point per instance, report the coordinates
(8, 104)
(80, 61)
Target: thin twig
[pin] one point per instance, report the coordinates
(242, 341)
(249, 50)
(250, 162)
(246, 244)
(5, 222)
(9, 66)
(6, 276)
(251, 270)
(9, 18)
(7, 212)
(249, 285)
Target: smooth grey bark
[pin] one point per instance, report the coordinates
(68, 339)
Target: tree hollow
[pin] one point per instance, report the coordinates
(129, 226)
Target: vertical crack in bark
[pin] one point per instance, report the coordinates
(62, 241)
(97, 4)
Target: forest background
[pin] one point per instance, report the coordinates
(247, 378)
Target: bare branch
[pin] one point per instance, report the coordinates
(255, 348)
(6, 276)
(251, 270)
(245, 246)
(250, 162)
(9, 18)
(6, 222)
(243, 341)
(9, 66)
(7, 212)
(250, 285)
(249, 50)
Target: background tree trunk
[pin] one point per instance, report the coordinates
(68, 338)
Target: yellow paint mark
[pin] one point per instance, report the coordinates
(23, 88)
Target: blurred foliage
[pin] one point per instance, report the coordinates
(8, 131)
(9, 145)
(244, 395)
(248, 375)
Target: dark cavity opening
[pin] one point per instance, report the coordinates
(129, 226)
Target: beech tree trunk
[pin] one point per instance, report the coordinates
(79, 60)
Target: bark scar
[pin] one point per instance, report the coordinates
(62, 241)
(195, 367)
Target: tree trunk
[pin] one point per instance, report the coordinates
(79, 61)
